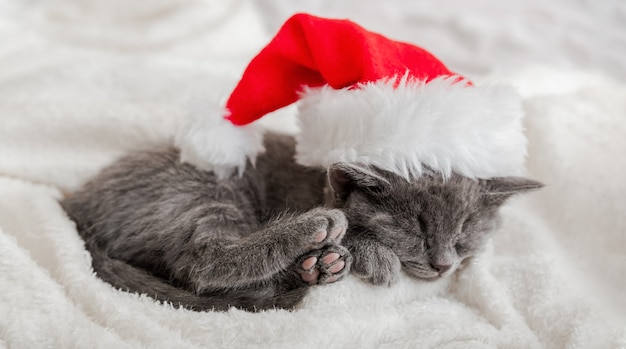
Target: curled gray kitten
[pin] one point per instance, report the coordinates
(156, 226)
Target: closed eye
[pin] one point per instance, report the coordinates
(467, 223)
(461, 249)
(422, 224)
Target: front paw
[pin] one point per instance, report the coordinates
(378, 267)
(323, 226)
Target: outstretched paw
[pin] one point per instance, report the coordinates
(325, 265)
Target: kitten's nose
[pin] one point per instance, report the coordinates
(441, 268)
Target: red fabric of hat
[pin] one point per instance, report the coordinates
(313, 51)
(363, 98)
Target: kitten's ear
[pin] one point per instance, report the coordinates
(345, 178)
(497, 190)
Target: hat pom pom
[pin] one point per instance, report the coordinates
(212, 143)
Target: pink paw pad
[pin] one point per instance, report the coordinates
(336, 232)
(332, 279)
(311, 277)
(320, 236)
(309, 263)
(337, 267)
(330, 258)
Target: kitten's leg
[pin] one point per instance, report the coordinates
(215, 263)
(373, 261)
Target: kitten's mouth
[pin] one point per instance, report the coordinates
(434, 278)
(417, 270)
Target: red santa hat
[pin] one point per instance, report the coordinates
(362, 98)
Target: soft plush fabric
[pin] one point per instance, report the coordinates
(82, 82)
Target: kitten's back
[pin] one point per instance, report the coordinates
(152, 192)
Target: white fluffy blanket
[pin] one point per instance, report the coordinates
(83, 81)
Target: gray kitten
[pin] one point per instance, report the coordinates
(156, 226)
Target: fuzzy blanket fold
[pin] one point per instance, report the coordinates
(83, 82)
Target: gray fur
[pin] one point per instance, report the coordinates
(156, 226)
(425, 227)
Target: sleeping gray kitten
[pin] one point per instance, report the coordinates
(156, 226)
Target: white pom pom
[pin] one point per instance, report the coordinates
(210, 142)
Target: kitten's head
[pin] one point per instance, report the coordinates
(430, 223)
